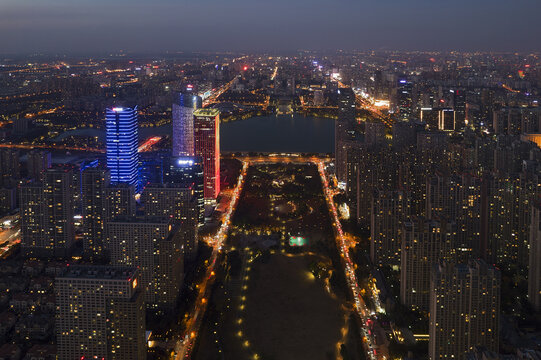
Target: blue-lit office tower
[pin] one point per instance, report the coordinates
(187, 172)
(122, 140)
(183, 130)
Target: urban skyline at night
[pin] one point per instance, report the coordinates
(249, 180)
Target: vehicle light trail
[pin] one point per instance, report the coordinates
(212, 98)
(149, 143)
(349, 267)
(184, 346)
(275, 72)
(368, 105)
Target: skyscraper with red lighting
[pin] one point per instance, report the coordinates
(207, 146)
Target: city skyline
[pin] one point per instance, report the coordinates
(67, 27)
(323, 206)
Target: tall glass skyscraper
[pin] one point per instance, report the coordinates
(207, 147)
(183, 130)
(188, 172)
(122, 140)
(405, 99)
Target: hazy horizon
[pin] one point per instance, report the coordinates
(82, 27)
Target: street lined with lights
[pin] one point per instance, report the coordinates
(349, 266)
(185, 345)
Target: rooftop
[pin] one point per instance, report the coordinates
(206, 112)
(99, 272)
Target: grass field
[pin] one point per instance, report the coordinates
(289, 314)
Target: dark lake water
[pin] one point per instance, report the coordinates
(263, 133)
(278, 133)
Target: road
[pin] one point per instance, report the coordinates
(50, 147)
(367, 104)
(216, 93)
(184, 346)
(349, 267)
(282, 158)
(147, 145)
(144, 147)
(8, 239)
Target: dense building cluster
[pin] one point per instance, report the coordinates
(437, 166)
(450, 196)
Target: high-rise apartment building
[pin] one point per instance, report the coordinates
(534, 268)
(120, 201)
(179, 204)
(443, 196)
(404, 97)
(10, 169)
(58, 193)
(100, 313)
(94, 184)
(464, 309)
(183, 108)
(389, 210)
(187, 172)
(122, 142)
(425, 242)
(443, 119)
(47, 214)
(32, 207)
(459, 105)
(342, 128)
(374, 133)
(38, 161)
(207, 147)
(154, 246)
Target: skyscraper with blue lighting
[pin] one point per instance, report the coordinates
(183, 122)
(122, 140)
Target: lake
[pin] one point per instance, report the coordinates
(283, 133)
(271, 133)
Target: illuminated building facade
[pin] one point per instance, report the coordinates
(37, 163)
(100, 313)
(33, 236)
(464, 309)
(439, 118)
(459, 105)
(343, 126)
(187, 172)
(120, 201)
(10, 166)
(154, 246)
(178, 203)
(389, 210)
(424, 242)
(405, 99)
(122, 141)
(47, 214)
(534, 268)
(207, 147)
(183, 123)
(94, 183)
(374, 133)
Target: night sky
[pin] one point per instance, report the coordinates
(90, 26)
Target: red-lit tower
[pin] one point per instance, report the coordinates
(207, 146)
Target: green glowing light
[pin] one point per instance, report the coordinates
(297, 241)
